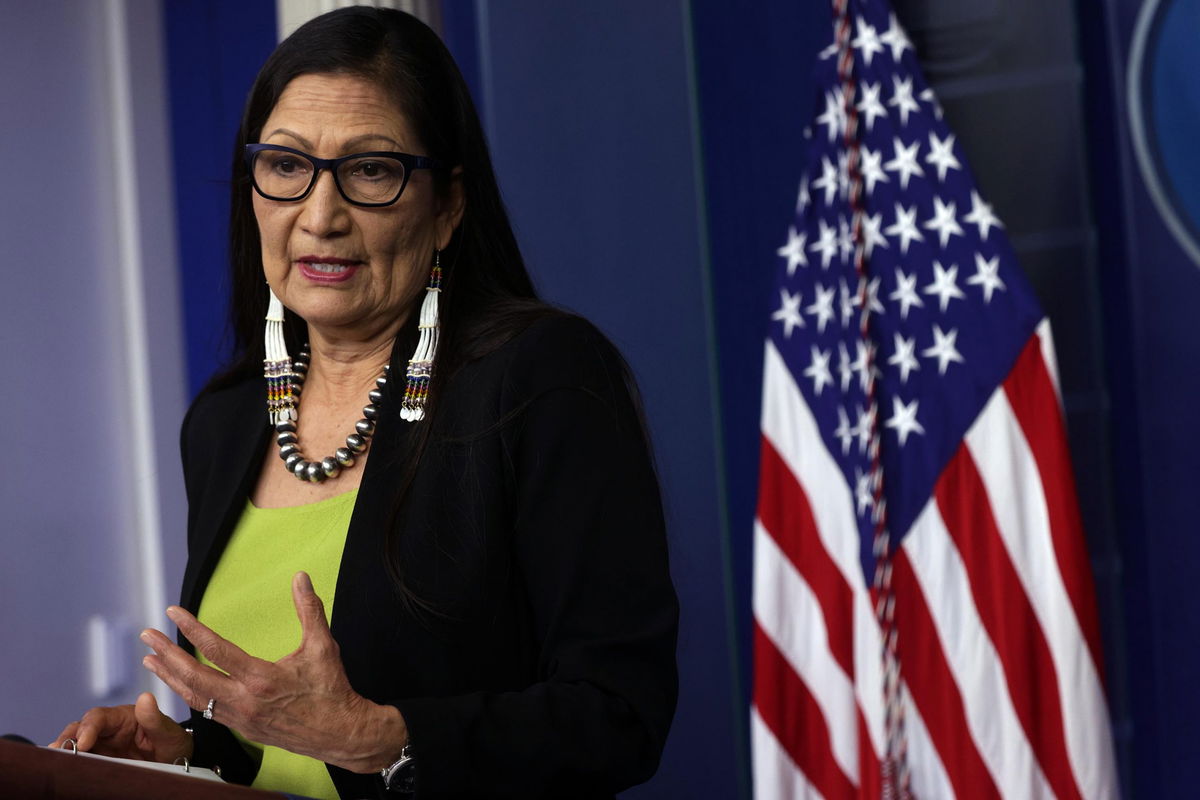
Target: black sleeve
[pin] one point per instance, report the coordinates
(213, 744)
(590, 544)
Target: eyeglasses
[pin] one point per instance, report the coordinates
(364, 179)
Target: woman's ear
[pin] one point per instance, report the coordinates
(450, 208)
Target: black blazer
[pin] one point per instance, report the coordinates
(533, 528)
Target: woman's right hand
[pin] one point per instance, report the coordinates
(139, 731)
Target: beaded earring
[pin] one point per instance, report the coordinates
(420, 366)
(277, 367)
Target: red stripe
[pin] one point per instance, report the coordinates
(870, 780)
(1035, 404)
(1008, 617)
(933, 688)
(784, 510)
(793, 716)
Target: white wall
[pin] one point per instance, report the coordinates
(82, 510)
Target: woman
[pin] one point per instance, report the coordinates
(486, 545)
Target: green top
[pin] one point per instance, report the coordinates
(249, 602)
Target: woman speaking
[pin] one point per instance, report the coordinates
(426, 551)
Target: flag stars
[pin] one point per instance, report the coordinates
(906, 293)
(981, 216)
(844, 433)
(871, 168)
(905, 227)
(803, 198)
(834, 116)
(944, 221)
(845, 372)
(873, 304)
(864, 497)
(867, 41)
(869, 106)
(863, 427)
(828, 182)
(902, 98)
(872, 237)
(945, 285)
(987, 276)
(863, 356)
(905, 162)
(848, 304)
(904, 358)
(793, 251)
(845, 240)
(943, 349)
(941, 154)
(904, 420)
(789, 312)
(929, 97)
(826, 243)
(822, 307)
(818, 370)
(895, 38)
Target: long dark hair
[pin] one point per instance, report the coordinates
(487, 295)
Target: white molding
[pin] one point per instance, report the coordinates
(139, 425)
(291, 14)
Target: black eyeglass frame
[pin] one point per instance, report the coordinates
(409, 161)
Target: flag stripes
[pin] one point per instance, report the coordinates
(1003, 693)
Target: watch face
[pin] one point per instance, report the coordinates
(401, 776)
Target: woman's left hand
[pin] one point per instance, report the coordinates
(302, 703)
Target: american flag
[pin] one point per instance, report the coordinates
(924, 613)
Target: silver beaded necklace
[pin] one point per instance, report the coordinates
(343, 457)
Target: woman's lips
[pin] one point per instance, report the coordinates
(327, 270)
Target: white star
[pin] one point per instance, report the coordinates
(849, 303)
(793, 251)
(905, 161)
(981, 216)
(863, 358)
(867, 41)
(844, 370)
(834, 116)
(871, 234)
(789, 312)
(904, 357)
(904, 420)
(895, 38)
(929, 97)
(902, 98)
(943, 349)
(941, 154)
(862, 428)
(944, 221)
(829, 52)
(844, 432)
(864, 498)
(870, 106)
(818, 370)
(905, 227)
(826, 245)
(822, 307)
(986, 276)
(845, 240)
(871, 172)
(803, 199)
(828, 182)
(945, 285)
(873, 304)
(906, 293)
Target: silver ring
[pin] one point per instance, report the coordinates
(208, 711)
(72, 743)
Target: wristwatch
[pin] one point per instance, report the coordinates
(401, 776)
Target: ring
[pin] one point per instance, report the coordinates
(212, 703)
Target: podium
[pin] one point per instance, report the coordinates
(35, 773)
